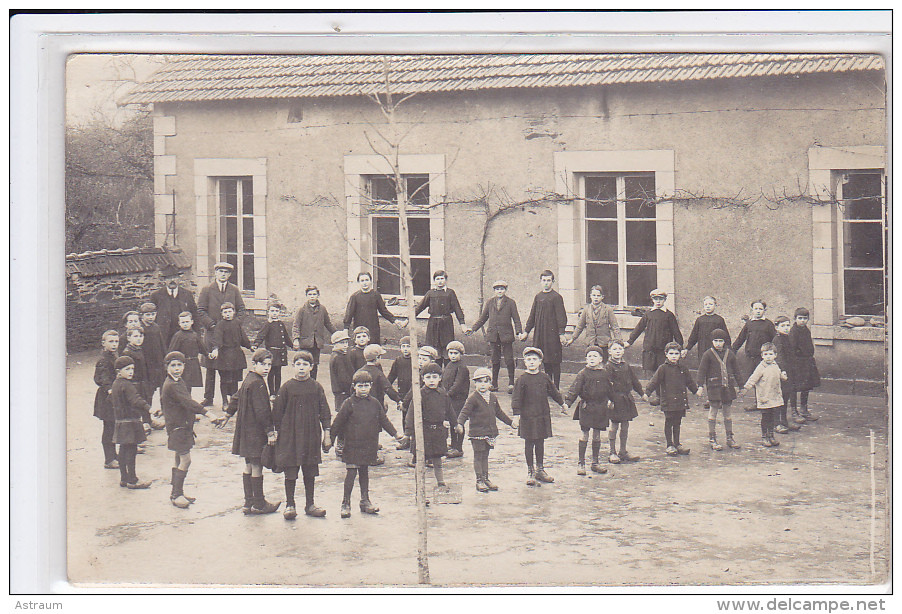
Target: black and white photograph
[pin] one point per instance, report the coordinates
(586, 319)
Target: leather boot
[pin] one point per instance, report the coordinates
(481, 486)
(248, 493)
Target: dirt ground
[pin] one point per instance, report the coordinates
(797, 514)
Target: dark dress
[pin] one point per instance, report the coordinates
(456, 382)
(131, 412)
(754, 334)
(104, 376)
(549, 319)
(190, 344)
(704, 325)
(660, 327)
(355, 354)
(274, 337)
(228, 337)
(154, 353)
(807, 375)
(710, 374)
(593, 388)
(364, 309)
(671, 381)
(623, 381)
(381, 386)
(483, 416)
(178, 412)
(436, 410)
(300, 414)
(359, 422)
(341, 372)
(530, 402)
(254, 421)
(442, 304)
(142, 385)
(402, 372)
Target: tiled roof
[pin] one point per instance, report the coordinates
(231, 77)
(119, 261)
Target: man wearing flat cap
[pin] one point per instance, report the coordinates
(171, 300)
(209, 312)
(502, 324)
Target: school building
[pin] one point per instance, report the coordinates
(741, 176)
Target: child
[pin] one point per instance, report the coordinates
(425, 355)
(361, 340)
(341, 373)
(131, 319)
(661, 328)
(456, 382)
(135, 340)
(807, 375)
(228, 358)
(254, 430)
(593, 388)
(785, 355)
(130, 410)
(530, 399)
(756, 331)
(380, 386)
(718, 373)
(766, 380)
(704, 327)
(274, 337)
(502, 326)
(359, 422)
(548, 318)
(179, 410)
(438, 415)
(670, 381)
(442, 303)
(599, 321)
(302, 417)
(401, 370)
(311, 325)
(482, 410)
(104, 376)
(623, 409)
(187, 341)
(154, 349)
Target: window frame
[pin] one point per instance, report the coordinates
(239, 275)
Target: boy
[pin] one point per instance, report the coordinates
(380, 384)
(254, 430)
(502, 322)
(718, 374)
(670, 381)
(442, 303)
(425, 355)
(755, 332)
(341, 373)
(456, 382)
(661, 328)
(766, 380)
(807, 374)
(401, 369)
(483, 411)
(361, 340)
(188, 342)
(228, 359)
(154, 349)
(104, 376)
(311, 325)
(131, 319)
(600, 323)
(530, 400)
(785, 354)
(179, 410)
(438, 416)
(593, 387)
(359, 421)
(130, 411)
(704, 326)
(302, 418)
(364, 308)
(274, 337)
(549, 319)
(134, 349)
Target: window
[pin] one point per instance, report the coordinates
(236, 228)
(386, 233)
(620, 235)
(863, 239)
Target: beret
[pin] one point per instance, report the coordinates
(173, 356)
(122, 362)
(431, 368)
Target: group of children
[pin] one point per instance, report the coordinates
(287, 427)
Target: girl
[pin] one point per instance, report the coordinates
(593, 388)
(441, 302)
(671, 381)
(623, 409)
(274, 337)
(130, 410)
(438, 415)
(718, 373)
(104, 376)
(187, 341)
(482, 410)
(228, 358)
(530, 399)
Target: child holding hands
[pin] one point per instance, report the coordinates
(482, 410)
(187, 341)
(766, 380)
(718, 373)
(670, 381)
(593, 388)
(623, 408)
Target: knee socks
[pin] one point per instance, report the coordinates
(624, 433)
(530, 447)
(612, 438)
(728, 427)
(127, 454)
(350, 476)
(289, 492)
(363, 474)
(766, 417)
(672, 429)
(803, 399)
(248, 489)
(712, 424)
(582, 451)
(309, 485)
(540, 453)
(596, 450)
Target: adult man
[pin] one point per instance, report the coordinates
(171, 300)
(549, 319)
(209, 312)
(364, 308)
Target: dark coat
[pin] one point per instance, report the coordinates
(436, 410)
(804, 366)
(671, 381)
(311, 325)
(442, 304)
(178, 412)
(191, 345)
(169, 308)
(593, 388)
(786, 361)
(341, 372)
(754, 334)
(300, 413)
(140, 380)
(209, 303)
(381, 386)
(355, 354)
(483, 416)
(229, 337)
(660, 327)
(104, 376)
(402, 372)
(456, 382)
(549, 319)
(704, 325)
(255, 420)
(364, 309)
(503, 320)
(530, 402)
(710, 376)
(623, 382)
(154, 353)
(274, 337)
(130, 410)
(359, 422)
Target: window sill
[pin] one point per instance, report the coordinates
(860, 333)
